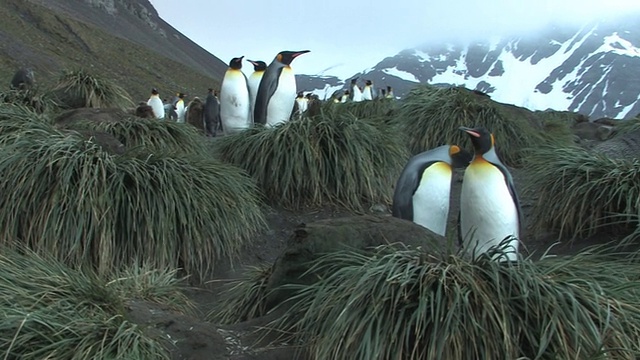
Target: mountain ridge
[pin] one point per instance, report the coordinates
(593, 69)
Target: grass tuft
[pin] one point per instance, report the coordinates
(151, 134)
(430, 116)
(79, 88)
(49, 311)
(333, 158)
(578, 192)
(408, 304)
(244, 298)
(67, 196)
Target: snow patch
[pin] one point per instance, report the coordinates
(401, 74)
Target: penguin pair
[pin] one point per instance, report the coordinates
(489, 205)
(267, 97)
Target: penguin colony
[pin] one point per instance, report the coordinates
(490, 214)
(268, 96)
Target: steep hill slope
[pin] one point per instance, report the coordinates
(123, 40)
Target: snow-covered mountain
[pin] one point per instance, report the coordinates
(594, 70)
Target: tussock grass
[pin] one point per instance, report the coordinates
(329, 159)
(557, 125)
(407, 304)
(79, 88)
(244, 298)
(580, 192)
(626, 126)
(49, 311)
(65, 195)
(430, 116)
(378, 109)
(153, 135)
(19, 120)
(30, 98)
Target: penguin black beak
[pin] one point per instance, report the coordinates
(298, 53)
(469, 131)
(253, 62)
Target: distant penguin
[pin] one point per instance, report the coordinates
(423, 189)
(277, 91)
(345, 96)
(23, 79)
(390, 93)
(302, 103)
(195, 114)
(235, 103)
(211, 113)
(355, 93)
(382, 94)
(368, 92)
(336, 96)
(489, 206)
(156, 104)
(259, 67)
(180, 108)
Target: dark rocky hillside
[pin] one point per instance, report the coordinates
(123, 40)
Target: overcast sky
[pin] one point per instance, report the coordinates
(351, 35)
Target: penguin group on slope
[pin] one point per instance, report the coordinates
(267, 97)
(490, 214)
(355, 93)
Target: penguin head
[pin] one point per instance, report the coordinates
(460, 158)
(286, 57)
(236, 63)
(258, 65)
(300, 94)
(368, 82)
(481, 139)
(154, 91)
(353, 81)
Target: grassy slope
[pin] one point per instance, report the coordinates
(50, 42)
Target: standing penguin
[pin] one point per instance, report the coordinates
(211, 113)
(235, 103)
(423, 188)
(253, 82)
(489, 206)
(302, 103)
(355, 93)
(277, 91)
(180, 108)
(390, 94)
(368, 93)
(156, 104)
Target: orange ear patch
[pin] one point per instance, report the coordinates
(493, 140)
(279, 57)
(453, 149)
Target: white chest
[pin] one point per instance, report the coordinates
(281, 102)
(431, 199)
(488, 213)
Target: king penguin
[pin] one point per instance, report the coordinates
(180, 108)
(235, 102)
(368, 93)
(489, 205)
(355, 93)
(277, 91)
(253, 81)
(156, 104)
(423, 188)
(211, 113)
